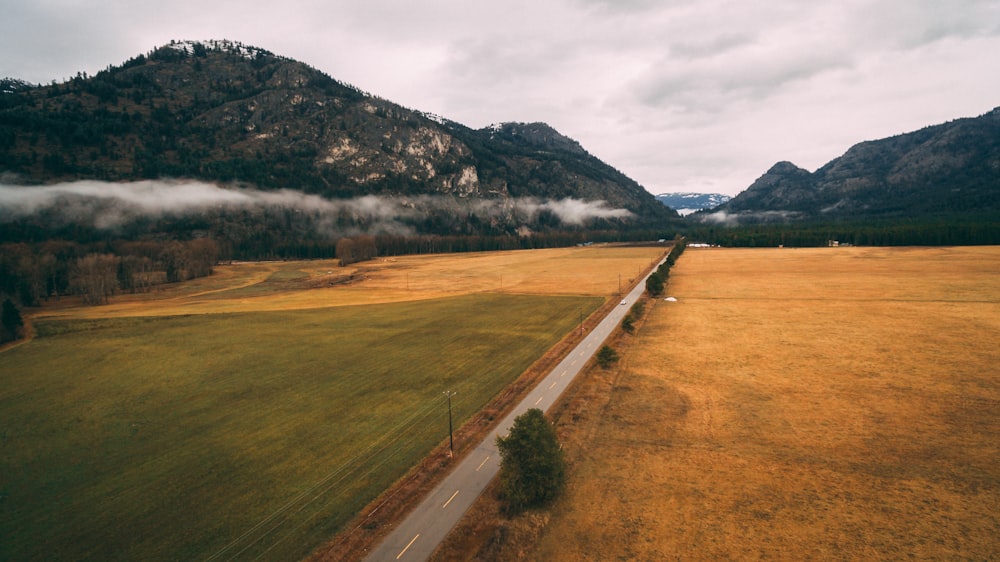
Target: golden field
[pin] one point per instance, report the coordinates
(795, 404)
(298, 285)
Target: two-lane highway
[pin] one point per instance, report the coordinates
(419, 534)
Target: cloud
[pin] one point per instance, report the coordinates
(700, 48)
(107, 205)
(571, 211)
(747, 217)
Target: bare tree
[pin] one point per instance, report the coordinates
(95, 276)
(135, 274)
(347, 251)
(203, 253)
(350, 250)
(175, 260)
(366, 248)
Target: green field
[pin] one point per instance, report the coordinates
(241, 436)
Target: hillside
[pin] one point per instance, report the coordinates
(229, 114)
(951, 170)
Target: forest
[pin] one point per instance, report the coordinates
(938, 231)
(96, 269)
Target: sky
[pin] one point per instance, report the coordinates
(680, 95)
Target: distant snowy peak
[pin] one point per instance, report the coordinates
(687, 203)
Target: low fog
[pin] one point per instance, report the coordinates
(572, 211)
(748, 217)
(107, 205)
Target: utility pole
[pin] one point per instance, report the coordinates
(451, 439)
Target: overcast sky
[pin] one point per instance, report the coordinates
(680, 95)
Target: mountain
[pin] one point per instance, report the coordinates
(687, 203)
(237, 115)
(951, 170)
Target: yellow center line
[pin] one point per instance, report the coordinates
(539, 400)
(407, 547)
(483, 463)
(449, 500)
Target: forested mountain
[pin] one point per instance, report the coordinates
(228, 113)
(153, 170)
(942, 172)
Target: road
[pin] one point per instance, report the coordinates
(420, 533)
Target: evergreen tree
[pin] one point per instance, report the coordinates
(654, 284)
(12, 322)
(532, 467)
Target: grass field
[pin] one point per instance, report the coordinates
(796, 404)
(248, 415)
(284, 286)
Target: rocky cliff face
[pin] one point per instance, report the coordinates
(942, 170)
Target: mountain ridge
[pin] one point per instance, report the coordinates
(225, 112)
(949, 169)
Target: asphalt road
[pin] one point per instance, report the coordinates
(420, 533)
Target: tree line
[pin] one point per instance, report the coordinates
(944, 231)
(656, 282)
(32, 273)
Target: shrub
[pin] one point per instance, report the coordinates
(606, 357)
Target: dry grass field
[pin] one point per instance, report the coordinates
(796, 404)
(298, 285)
